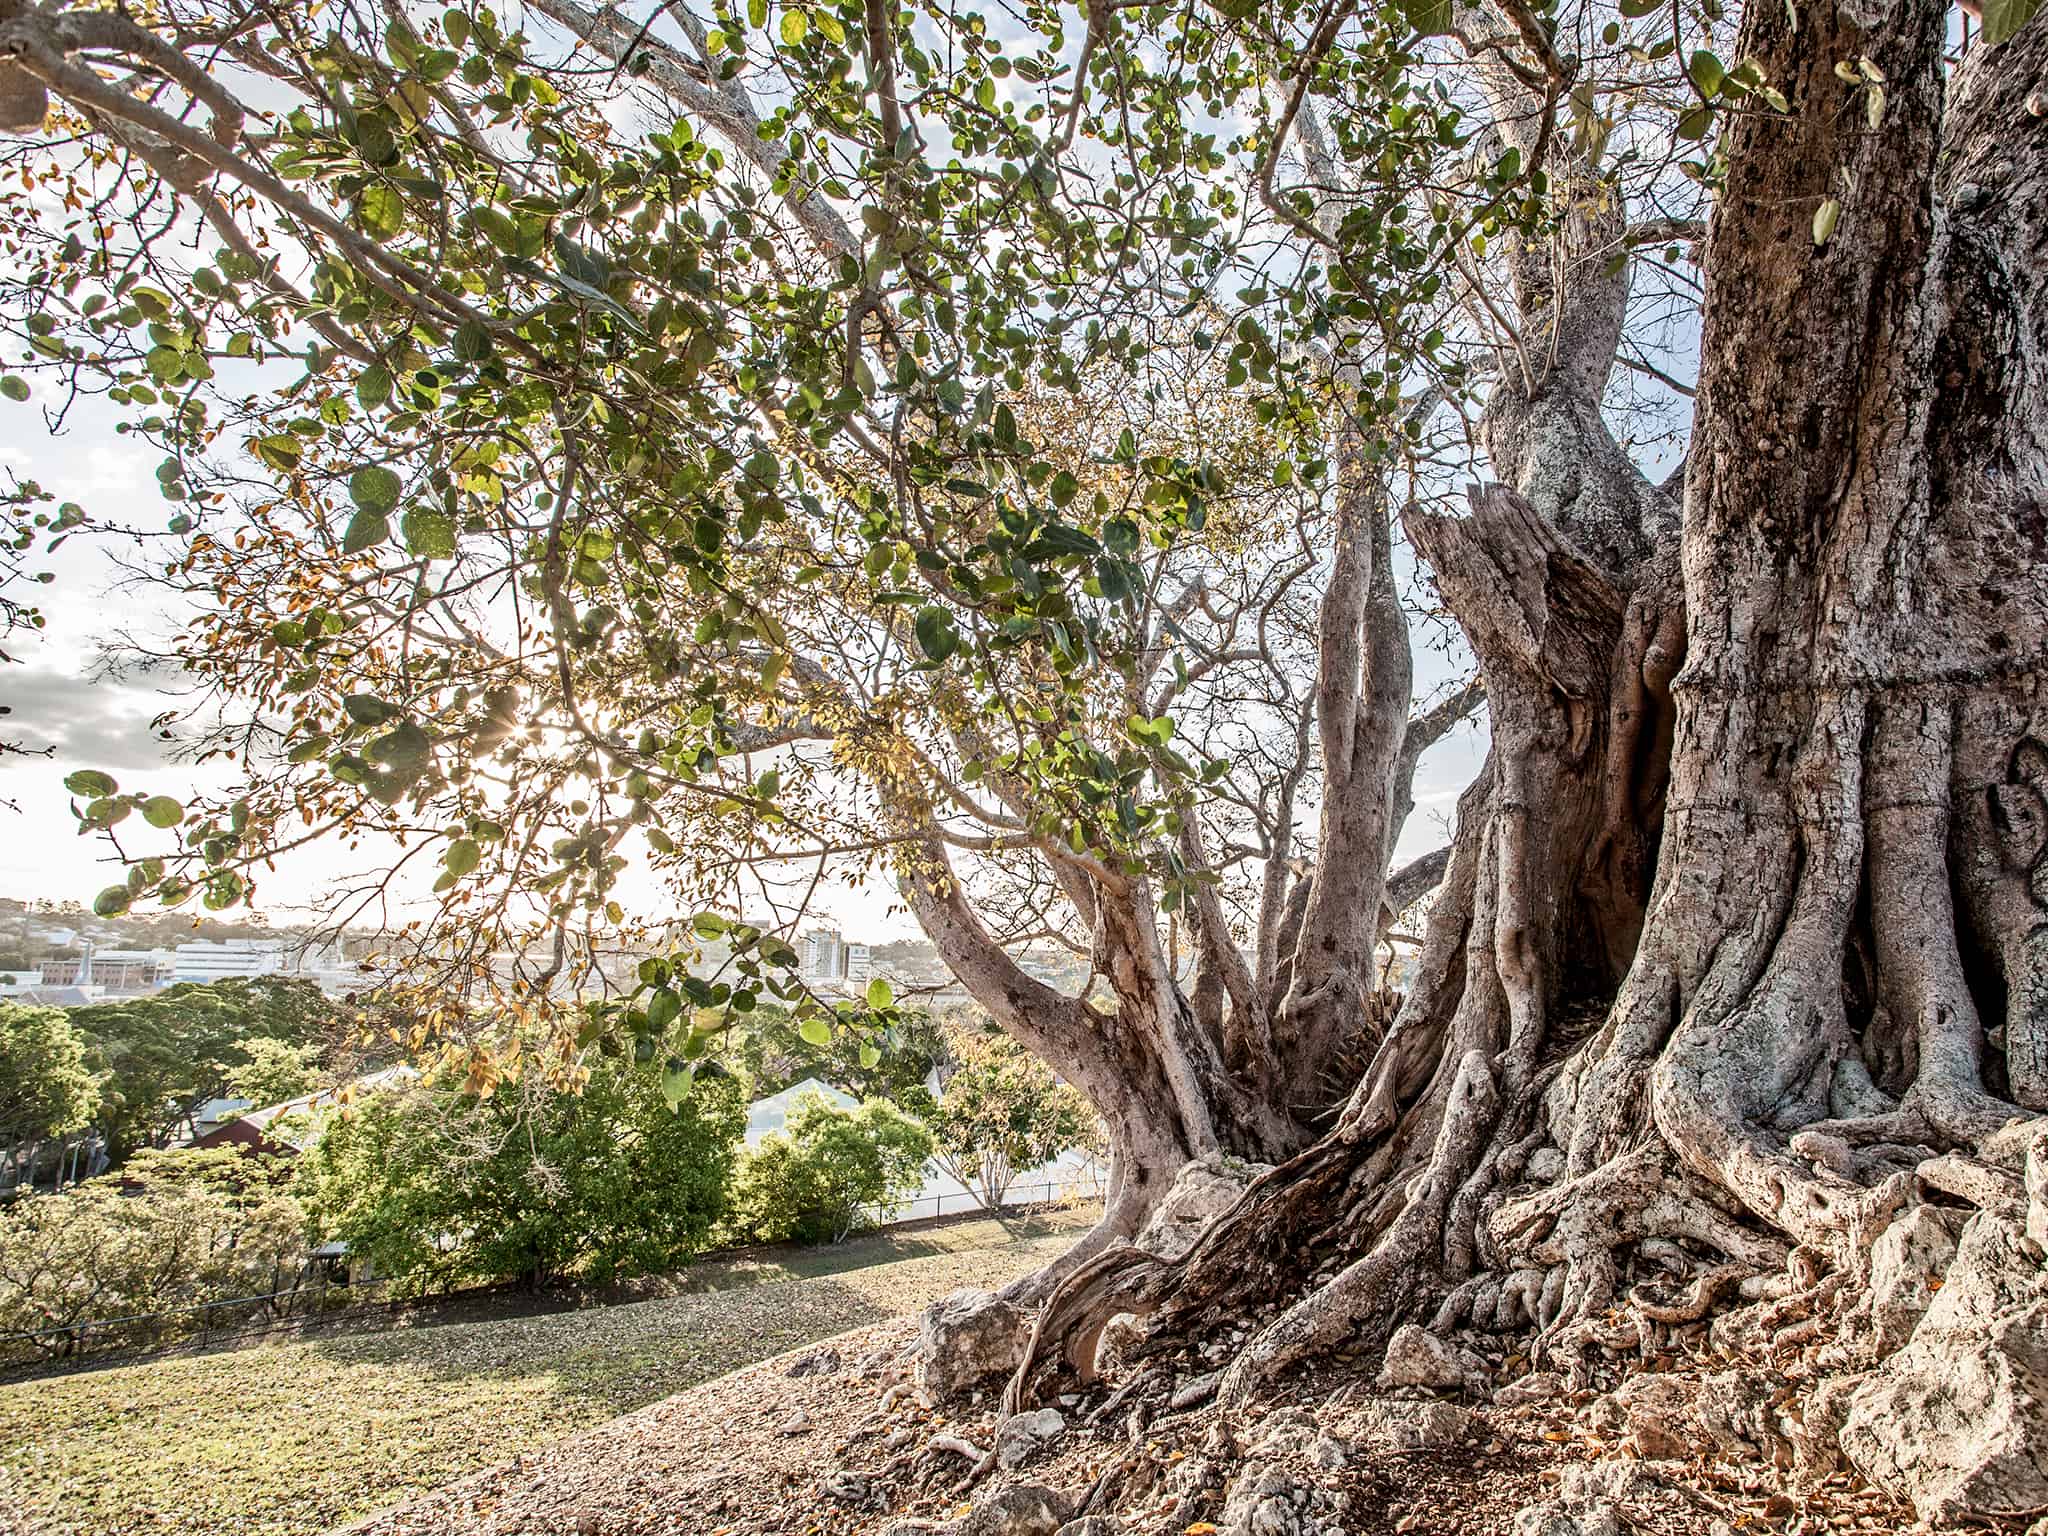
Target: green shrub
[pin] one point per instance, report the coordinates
(819, 1182)
(530, 1184)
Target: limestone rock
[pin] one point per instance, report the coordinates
(2037, 1191)
(1418, 1358)
(1024, 1435)
(1671, 1417)
(1203, 1190)
(1093, 1525)
(1546, 1165)
(1557, 1519)
(1906, 1266)
(968, 1339)
(1536, 1387)
(1403, 1424)
(1956, 1423)
(815, 1362)
(1026, 1509)
(1266, 1501)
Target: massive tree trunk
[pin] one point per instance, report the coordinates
(1810, 709)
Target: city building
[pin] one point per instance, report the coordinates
(222, 959)
(860, 964)
(821, 955)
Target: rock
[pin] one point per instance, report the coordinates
(1403, 1424)
(1906, 1266)
(1955, 1422)
(1024, 1435)
(796, 1424)
(1671, 1418)
(1536, 1387)
(1546, 1165)
(967, 1339)
(1285, 1432)
(1025, 1509)
(815, 1362)
(1582, 1485)
(1092, 1525)
(1418, 1358)
(1266, 1501)
(2037, 1191)
(1203, 1190)
(848, 1489)
(1557, 1519)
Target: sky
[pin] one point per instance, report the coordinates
(58, 696)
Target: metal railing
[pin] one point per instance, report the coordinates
(315, 1296)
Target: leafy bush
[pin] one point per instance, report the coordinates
(531, 1184)
(819, 1182)
(1002, 1112)
(174, 1230)
(275, 1070)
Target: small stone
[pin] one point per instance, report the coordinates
(848, 1489)
(1025, 1435)
(816, 1362)
(796, 1424)
(1092, 1525)
(1545, 1165)
(1025, 1509)
(1536, 1387)
(1418, 1358)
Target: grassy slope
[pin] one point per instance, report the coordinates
(294, 1436)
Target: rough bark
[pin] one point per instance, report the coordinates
(1810, 707)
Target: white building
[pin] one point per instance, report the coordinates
(219, 960)
(821, 956)
(860, 964)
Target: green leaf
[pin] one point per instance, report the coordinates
(463, 855)
(280, 451)
(162, 811)
(936, 636)
(708, 925)
(1431, 18)
(376, 487)
(368, 709)
(14, 387)
(90, 784)
(472, 341)
(794, 28)
(815, 1031)
(757, 14)
(366, 530)
(676, 1078)
(111, 902)
(373, 386)
(870, 1055)
(879, 995)
(382, 212)
(429, 533)
(2002, 18)
(1707, 72)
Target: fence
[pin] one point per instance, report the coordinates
(1086, 1186)
(314, 1296)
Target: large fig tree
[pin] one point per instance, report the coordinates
(1003, 454)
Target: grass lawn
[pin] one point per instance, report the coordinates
(295, 1436)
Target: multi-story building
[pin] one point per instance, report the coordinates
(821, 955)
(860, 964)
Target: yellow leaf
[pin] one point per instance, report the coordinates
(1201, 1528)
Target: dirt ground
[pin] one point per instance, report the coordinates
(763, 1452)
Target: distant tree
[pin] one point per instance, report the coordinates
(46, 1086)
(1002, 1112)
(821, 1181)
(165, 1054)
(275, 1070)
(531, 1183)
